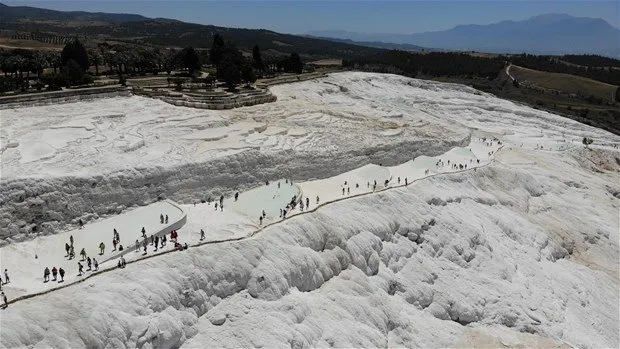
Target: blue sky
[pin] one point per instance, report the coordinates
(298, 17)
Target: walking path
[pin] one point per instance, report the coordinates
(26, 261)
(237, 221)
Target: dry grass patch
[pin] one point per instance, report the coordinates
(563, 82)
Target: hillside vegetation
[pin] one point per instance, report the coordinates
(586, 66)
(49, 26)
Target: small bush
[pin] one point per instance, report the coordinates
(87, 79)
(54, 82)
(587, 141)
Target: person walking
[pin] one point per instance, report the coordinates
(83, 254)
(166, 219)
(71, 240)
(54, 273)
(89, 262)
(137, 245)
(46, 274)
(161, 220)
(202, 234)
(4, 300)
(67, 248)
(114, 244)
(96, 264)
(71, 252)
(80, 269)
(101, 248)
(61, 272)
(6, 276)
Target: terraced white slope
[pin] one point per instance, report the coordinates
(110, 154)
(522, 252)
(372, 271)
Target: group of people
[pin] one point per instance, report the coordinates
(55, 272)
(346, 189)
(221, 202)
(155, 240)
(69, 248)
(58, 273)
(91, 262)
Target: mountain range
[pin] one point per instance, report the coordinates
(544, 34)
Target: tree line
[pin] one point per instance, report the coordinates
(591, 60)
(71, 66)
(448, 64)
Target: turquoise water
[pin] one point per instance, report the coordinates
(269, 198)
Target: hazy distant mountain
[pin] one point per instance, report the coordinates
(545, 34)
(9, 13)
(377, 44)
(362, 37)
